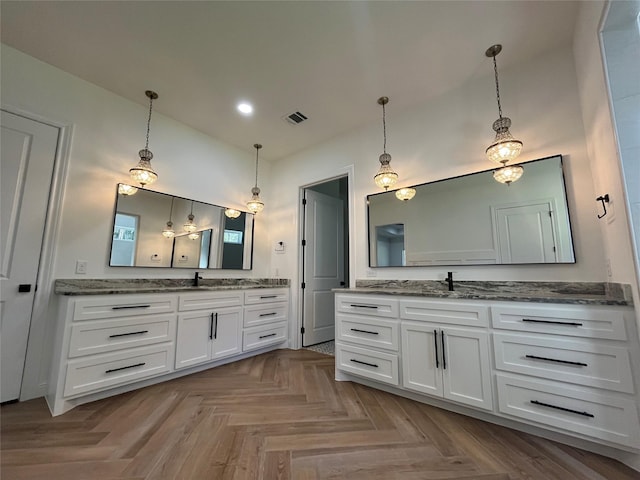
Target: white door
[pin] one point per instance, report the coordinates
(323, 265)
(525, 234)
(193, 343)
(421, 358)
(227, 332)
(27, 157)
(465, 366)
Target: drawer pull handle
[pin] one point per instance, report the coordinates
(535, 357)
(127, 334)
(584, 414)
(126, 307)
(268, 296)
(364, 331)
(364, 363)
(268, 314)
(570, 324)
(435, 344)
(124, 368)
(267, 336)
(356, 305)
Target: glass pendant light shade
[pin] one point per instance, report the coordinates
(189, 225)
(385, 177)
(124, 189)
(508, 174)
(168, 231)
(232, 213)
(405, 194)
(194, 235)
(255, 205)
(143, 173)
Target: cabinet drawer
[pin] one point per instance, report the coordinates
(607, 417)
(209, 300)
(566, 360)
(574, 321)
(266, 295)
(379, 366)
(258, 337)
(372, 332)
(444, 312)
(370, 305)
(116, 306)
(263, 314)
(108, 335)
(104, 371)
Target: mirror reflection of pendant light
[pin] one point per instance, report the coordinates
(405, 194)
(385, 177)
(143, 173)
(189, 225)
(504, 148)
(232, 213)
(168, 231)
(255, 205)
(124, 189)
(194, 235)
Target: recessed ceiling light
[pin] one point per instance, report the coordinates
(245, 108)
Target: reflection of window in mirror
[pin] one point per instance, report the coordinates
(123, 249)
(233, 242)
(390, 245)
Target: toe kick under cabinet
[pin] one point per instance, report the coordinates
(563, 367)
(108, 344)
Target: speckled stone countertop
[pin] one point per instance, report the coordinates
(109, 286)
(582, 293)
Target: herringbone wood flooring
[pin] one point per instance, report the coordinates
(276, 416)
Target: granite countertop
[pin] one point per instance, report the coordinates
(110, 286)
(581, 293)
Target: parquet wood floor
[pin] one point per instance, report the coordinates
(279, 415)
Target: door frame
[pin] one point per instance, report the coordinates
(35, 376)
(347, 171)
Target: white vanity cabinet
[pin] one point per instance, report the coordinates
(266, 315)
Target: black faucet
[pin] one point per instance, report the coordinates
(450, 281)
(196, 279)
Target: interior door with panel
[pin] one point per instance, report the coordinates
(27, 155)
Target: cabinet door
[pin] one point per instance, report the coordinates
(421, 366)
(227, 332)
(193, 343)
(465, 366)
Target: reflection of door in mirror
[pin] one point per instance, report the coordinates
(192, 251)
(125, 237)
(390, 245)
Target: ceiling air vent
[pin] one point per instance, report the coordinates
(295, 118)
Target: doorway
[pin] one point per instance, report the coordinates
(325, 256)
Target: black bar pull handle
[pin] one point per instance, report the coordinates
(125, 368)
(215, 331)
(126, 307)
(24, 288)
(211, 326)
(357, 305)
(267, 336)
(570, 324)
(364, 331)
(444, 356)
(268, 314)
(535, 357)
(548, 405)
(435, 344)
(129, 333)
(364, 363)
(268, 296)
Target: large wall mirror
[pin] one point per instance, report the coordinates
(474, 220)
(217, 241)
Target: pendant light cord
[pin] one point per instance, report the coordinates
(495, 71)
(384, 130)
(191, 207)
(257, 150)
(171, 210)
(146, 146)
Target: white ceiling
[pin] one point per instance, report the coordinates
(330, 60)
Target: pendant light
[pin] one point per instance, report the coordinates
(232, 213)
(255, 205)
(385, 177)
(194, 235)
(190, 226)
(405, 194)
(124, 189)
(143, 173)
(168, 231)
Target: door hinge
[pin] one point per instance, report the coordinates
(304, 285)
(302, 330)
(554, 248)
(304, 201)
(304, 243)
(550, 214)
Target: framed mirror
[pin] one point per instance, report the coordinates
(474, 220)
(210, 239)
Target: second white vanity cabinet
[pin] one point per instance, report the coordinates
(442, 357)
